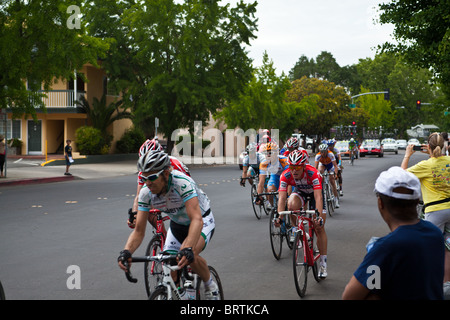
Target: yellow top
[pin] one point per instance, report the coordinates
(434, 176)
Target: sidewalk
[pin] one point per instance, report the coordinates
(35, 169)
(40, 171)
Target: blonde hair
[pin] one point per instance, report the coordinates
(436, 144)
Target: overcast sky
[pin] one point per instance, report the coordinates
(289, 29)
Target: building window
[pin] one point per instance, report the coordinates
(14, 129)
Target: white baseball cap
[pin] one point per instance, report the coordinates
(396, 177)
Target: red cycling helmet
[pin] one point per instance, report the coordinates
(150, 145)
(297, 158)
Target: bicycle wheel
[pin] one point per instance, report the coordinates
(316, 256)
(216, 279)
(256, 208)
(330, 200)
(159, 294)
(276, 238)
(153, 273)
(2, 292)
(299, 264)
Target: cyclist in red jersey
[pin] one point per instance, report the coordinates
(306, 181)
(151, 145)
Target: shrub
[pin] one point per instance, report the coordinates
(131, 141)
(91, 141)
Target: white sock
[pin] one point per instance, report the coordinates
(323, 260)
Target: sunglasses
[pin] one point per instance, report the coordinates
(295, 168)
(152, 177)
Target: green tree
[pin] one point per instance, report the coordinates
(101, 114)
(422, 33)
(176, 61)
(378, 109)
(262, 103)
(37, 45)
(328, 104)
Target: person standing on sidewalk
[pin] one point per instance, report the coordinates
(2, 154)
(68, 156)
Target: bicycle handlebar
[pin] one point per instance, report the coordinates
(157, 258)
(299, 212)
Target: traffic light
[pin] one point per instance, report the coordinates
(418, 103)
(354, 123)
(387, 93)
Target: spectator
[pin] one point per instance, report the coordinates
(434, 175)
(408, 263)
(2, 154)
(68, 157)
(445, 149)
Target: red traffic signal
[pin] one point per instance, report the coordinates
(418, 103)
(353, 123)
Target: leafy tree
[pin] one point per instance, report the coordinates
(330, 104)
(379, 110)
(101, 114)
(175, 61)
(36, 44)
(262, 103)
(422, 33)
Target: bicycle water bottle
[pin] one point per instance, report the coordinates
(190, 291)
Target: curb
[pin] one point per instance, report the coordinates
(35, 181)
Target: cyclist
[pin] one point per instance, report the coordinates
(191, 220)
(325, 160)
(250, 164)
(149, 145)
(337, 154)
(306, 181)
(353, 148)
(273, 165)
(291, 145)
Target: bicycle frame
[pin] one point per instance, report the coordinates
(159, 227)
(167, 281)
(302, 217)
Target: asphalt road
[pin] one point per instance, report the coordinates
(47, 228)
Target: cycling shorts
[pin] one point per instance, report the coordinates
(274, 180)
(312, 201)
(329, 167)
(177, 233)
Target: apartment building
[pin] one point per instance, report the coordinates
(63, 118)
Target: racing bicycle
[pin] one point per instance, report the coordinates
(152, 269)
(190, 284)
(277, 233)
(328, 196)
(306, 252)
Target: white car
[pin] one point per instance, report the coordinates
(390, 145)
(401, 144)
(414, 141)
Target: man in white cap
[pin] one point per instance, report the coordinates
(408, 263)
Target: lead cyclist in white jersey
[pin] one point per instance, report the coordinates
(191, 220)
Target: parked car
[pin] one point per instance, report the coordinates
(390, 145)
(342, 146)
(414, 141)
(309, 141)
(370, 147)
(402, 144)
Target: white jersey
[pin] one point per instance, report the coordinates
(181, 189)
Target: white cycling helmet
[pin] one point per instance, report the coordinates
(323, 147)
(153, 161)
(150, 145)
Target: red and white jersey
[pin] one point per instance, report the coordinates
(311, 180)
(175, 163)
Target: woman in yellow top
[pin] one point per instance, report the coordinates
(434, 176)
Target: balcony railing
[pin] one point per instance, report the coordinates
(60, 98)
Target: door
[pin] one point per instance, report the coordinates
(34, 137)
